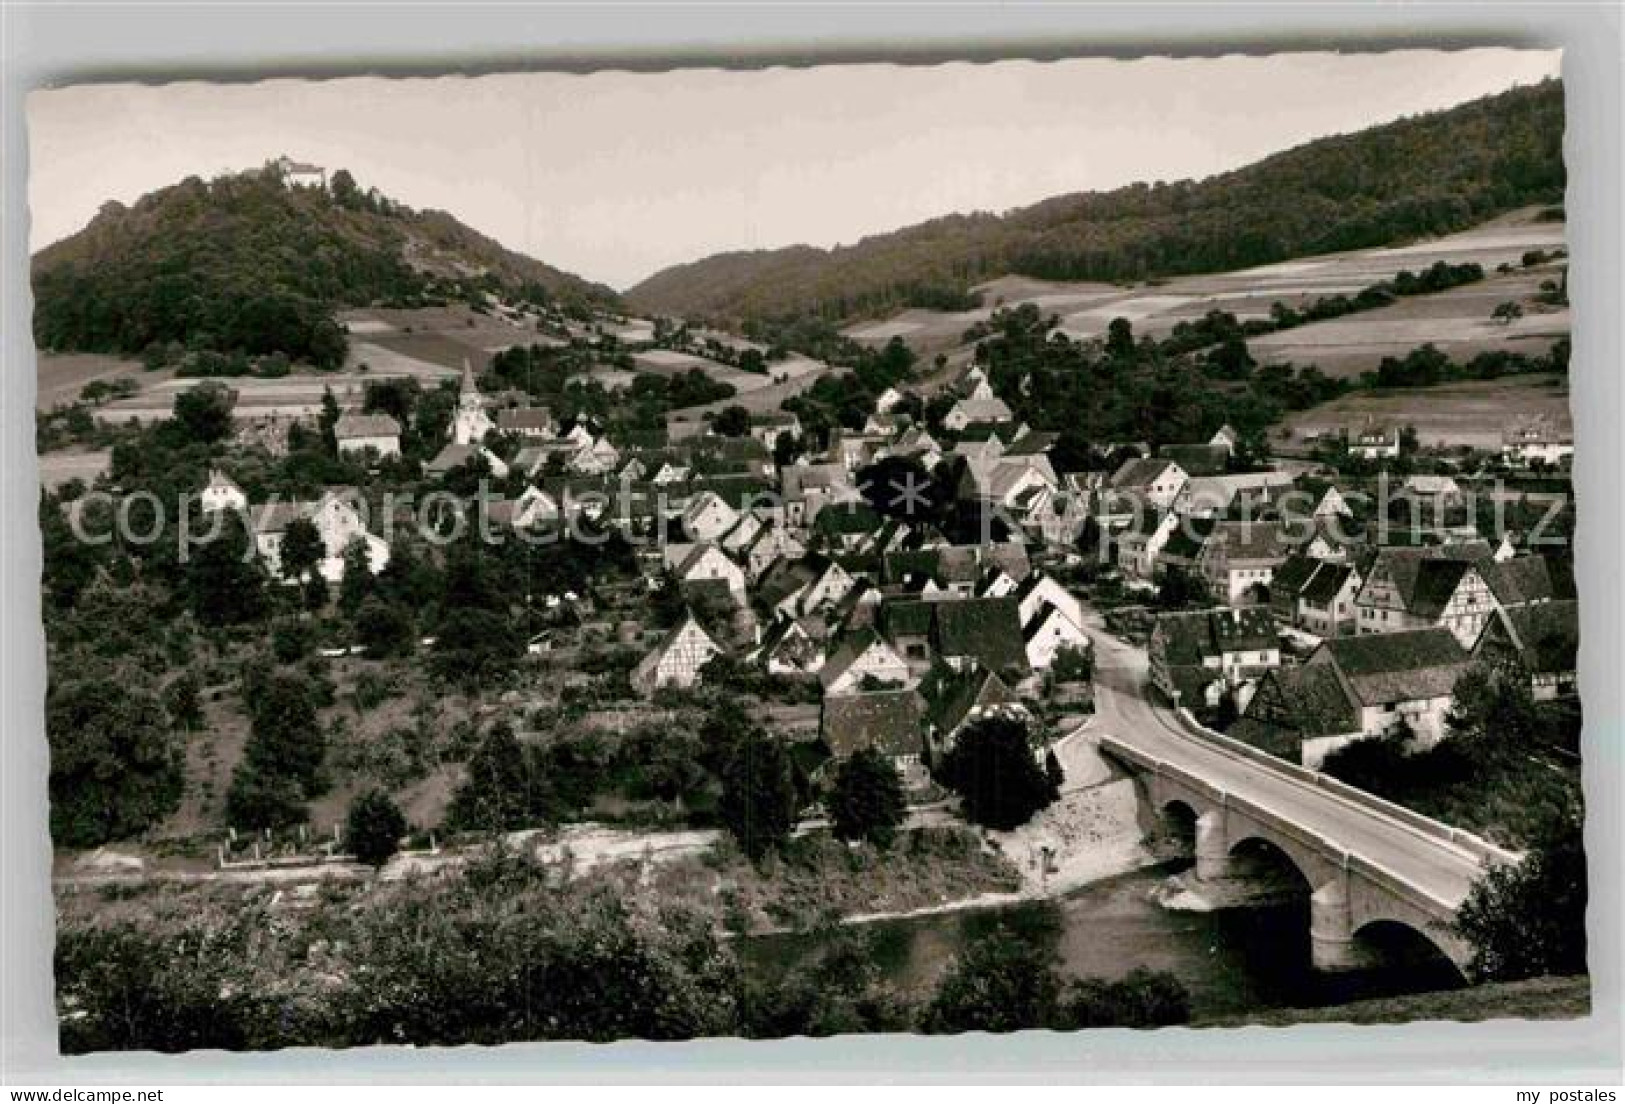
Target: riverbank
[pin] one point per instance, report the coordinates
(1547, 998)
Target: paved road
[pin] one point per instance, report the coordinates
(1126, 710)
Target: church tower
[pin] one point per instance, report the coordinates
(472, 423)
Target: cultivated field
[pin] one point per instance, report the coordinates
(1458, 321)
(1467, 413)
(61, 376)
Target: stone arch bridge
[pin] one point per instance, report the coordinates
(1366, 861)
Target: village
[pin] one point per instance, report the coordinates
(921, 573)
(484, 592)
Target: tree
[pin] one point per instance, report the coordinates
(758, 803)
(1526, 919)
(1506, 313)
(357, 584)
(500, 792)
(991, 767)
(203, 412)
(327, 421)
(1120, 339)
(115, 764)
(374, 827)
(302, 549)
(475, 646)
(385, 628)
(731, 421)
(866, 801)
(183, 702)
(224, 579)
(281, 765)
(1053, 773)
(344, 189)
(1002, 982)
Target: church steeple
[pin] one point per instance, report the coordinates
(468, 387)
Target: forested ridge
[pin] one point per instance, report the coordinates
(1425, 175)
(246, 263)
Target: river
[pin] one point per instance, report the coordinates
(1232, 960)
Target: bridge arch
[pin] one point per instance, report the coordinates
(1179, 817)
(1303, 860)
(1423, 946)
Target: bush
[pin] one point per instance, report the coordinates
(374, 827)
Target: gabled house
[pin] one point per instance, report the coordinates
(1198, 460)
(1374, 443)
(705, 565)
(1240, 556)
(789, 648)
(707, 517)
(1300, 714)
(772, 544)
(1138, 546)
(1058, 518)
(1195, 656)
(356, 433)
(1315, 595)
(529, 422)
(1154, 482)
(1050, 632)
(861, 661)
(769, 425)
(977, 411)
(955, 699)
(1440, 490)
(599, 457)
(221, 493)
(676, 660)
(1394, 677)
(1039, 590)
(1244, 494)
(1419, 588)
(829, 584)
(1529, 443)
(808, 488)
(1540, 643)
(456, 454)
(337, 516)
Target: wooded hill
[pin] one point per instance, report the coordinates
(246, 263)
(1427, 175)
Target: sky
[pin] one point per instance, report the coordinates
(616, 175)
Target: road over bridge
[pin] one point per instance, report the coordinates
(1366, 862)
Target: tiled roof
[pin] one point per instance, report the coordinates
(986, 629)
(952, 695)
(365, 425)
(886, 720)
(1520, 580)
(1135, 474)
(526, 418)
(1250, 541)
(1546, 635)
(1197, 460)
(906, 617)
(851, 648)
(1328, 580)
(1401, 666)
